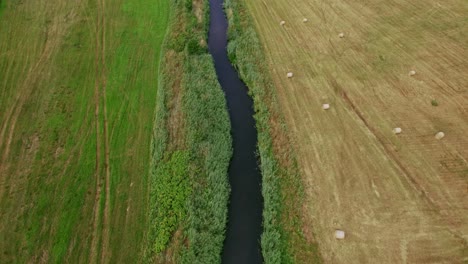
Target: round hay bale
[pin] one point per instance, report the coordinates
(290, 75)
(341, 35)
(412, 73)
(282, 23)
(326, 106)
(305, 20)
(440, 135)
(339, 234)
(397, 130)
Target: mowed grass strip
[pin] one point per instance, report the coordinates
(399, 198)
(134, 46)
(48, 134)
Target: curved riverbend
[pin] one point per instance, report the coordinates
(242, 243)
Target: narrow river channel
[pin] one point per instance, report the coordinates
(242, 243)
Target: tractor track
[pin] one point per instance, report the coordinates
(53, 37)
(105, 252)
(100, 96)
(94, 238)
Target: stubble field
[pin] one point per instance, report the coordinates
(399, 198)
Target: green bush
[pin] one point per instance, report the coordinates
(170, 193)
(188, 5)
(194, 47)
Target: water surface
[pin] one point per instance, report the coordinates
(242, 244)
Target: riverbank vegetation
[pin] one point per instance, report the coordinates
(284, 237)
(191, 118)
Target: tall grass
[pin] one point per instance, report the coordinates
(207, 143)
(2, 5)
(282, 239)
(153, 241)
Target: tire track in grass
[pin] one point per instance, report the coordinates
(53, 37)
(25, 91)
(105, 248)
(100, 94)
(97, 207)
(391, 155)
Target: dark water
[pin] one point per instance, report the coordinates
(242, 244)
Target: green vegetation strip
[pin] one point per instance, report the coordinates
(210, 146)
(200, 177)
(51, 171)
(2, 5)
(282, 240)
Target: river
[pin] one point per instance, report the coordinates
(242, 242)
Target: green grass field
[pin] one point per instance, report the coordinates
(78, 83)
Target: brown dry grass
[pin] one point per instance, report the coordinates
(176, 120)
(197, 6)
(401, 199)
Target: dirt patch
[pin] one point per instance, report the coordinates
(176, 120)
(171, 254)
(197, 8)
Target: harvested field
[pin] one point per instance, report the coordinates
(399, 198)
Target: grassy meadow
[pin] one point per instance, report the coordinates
(399, 198)
(78, 83)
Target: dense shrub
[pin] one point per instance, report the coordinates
(170, 192)
(194, 48)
